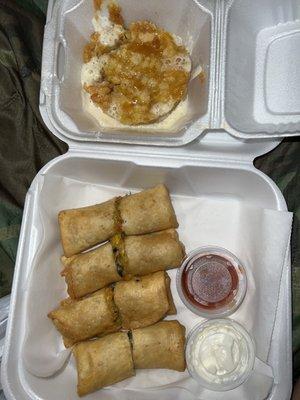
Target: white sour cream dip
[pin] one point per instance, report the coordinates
(220, 354)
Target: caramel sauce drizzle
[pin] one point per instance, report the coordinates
(97, 4)
(139, 72)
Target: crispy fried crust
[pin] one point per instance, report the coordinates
(143, 301)
(88, 272)
(83, 228)
(153, 252)
(148, 211)
(103, 362)
(160, 346)
(91, 316)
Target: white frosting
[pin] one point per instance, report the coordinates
(106, 122)
(91, 71)
(109, 32)
(220, 353)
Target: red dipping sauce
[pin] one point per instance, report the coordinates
(212, 282)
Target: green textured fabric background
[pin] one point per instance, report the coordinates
(26, 144)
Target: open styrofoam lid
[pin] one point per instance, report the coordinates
(244, 88)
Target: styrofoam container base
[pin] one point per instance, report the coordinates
(222, 168)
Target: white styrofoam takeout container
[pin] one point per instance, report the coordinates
(217, 166)
(214, 164)
(249, 50)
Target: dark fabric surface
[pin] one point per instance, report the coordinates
(26, 144)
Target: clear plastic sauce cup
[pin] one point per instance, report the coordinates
(220, 354)
(212, 282)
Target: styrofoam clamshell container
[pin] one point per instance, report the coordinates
(248, 50)
(218, 166)
(214, 165)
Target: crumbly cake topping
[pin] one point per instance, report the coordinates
(145, 71)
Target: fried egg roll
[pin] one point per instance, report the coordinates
(159, 346)
(145, 212)
(130, 256)
(83, 228)
(148, 211)
(91, 316)
(103, 362)
(153, 252)
(144, 301)
(85, 273)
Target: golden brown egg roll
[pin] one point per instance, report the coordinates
(148, 211)
(83, 228)
(85, 273)
(145, 212)
(159, 346)
(125, 256)
(102, 362)
(144, 301)
(153, 252)
(91, 316)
